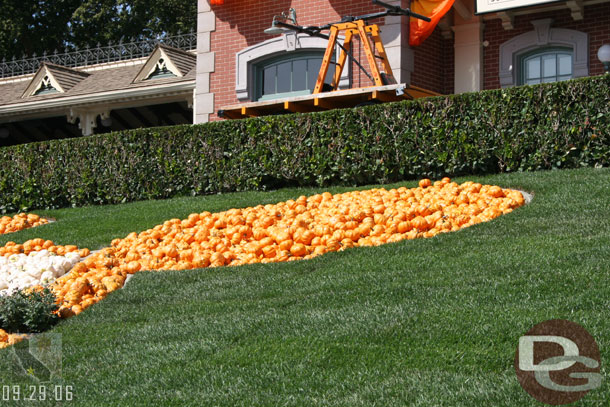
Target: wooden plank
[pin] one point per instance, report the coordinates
(385, 97)
(249, 112)
(370, 55)
(416, 92)
(231, 114)
(325, 101)
(347, 47)
(381, 51)
(297, 108)
(330, 49)
(336, 94)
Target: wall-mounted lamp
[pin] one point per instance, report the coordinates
(276, 29)
(604, 56)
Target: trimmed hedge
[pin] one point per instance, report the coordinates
(559, 125)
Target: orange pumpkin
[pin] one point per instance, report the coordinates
(133, 267)
(420, 223)
(298, 250)
(425, 183)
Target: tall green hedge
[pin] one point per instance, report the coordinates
(558, 125)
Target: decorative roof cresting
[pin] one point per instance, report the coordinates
(98, 55)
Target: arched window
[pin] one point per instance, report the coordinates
(279, 66)
(545, 54)
(291, 74)
(546, 65)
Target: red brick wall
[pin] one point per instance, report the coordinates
(596, 23)
(434, 64)
(449, 69)
(240, 24)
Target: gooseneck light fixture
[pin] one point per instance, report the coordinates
(604, 56)
(275, 28)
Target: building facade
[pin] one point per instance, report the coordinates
(232, 60)
(468, 51)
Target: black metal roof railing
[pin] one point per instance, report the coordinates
(98, 55)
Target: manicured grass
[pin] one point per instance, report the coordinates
(422, 322)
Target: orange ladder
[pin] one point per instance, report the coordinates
(366, 34)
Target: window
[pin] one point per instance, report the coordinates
(45, 87)
(549, 65)
(546, 54)
(293, 74)
(166, 62)
(252, 61)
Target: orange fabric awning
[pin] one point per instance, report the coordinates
(435, 9)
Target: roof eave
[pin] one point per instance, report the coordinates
(116, 96)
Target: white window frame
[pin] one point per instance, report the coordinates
(151, 64)
(543, 36)
(160, 66)
(45, 83)
(539, 54)
(37, 82)
(248, 57)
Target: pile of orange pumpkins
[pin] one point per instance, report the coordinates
(286, 231)
(296, 229)
(36, 245)
(19, 222)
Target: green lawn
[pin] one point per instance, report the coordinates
(430, 322)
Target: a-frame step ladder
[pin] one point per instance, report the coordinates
(367, 33)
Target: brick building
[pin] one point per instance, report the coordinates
(230, 60)
(468, 51)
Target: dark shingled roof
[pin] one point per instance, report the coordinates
(184, 61)
(66, 77)
(90, 80)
